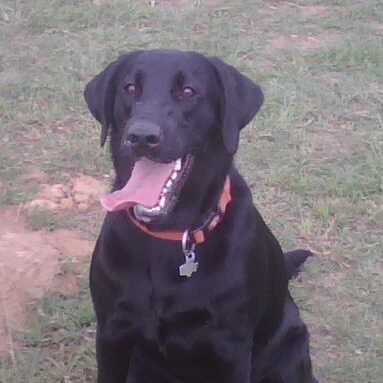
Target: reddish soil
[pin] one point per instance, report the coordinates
(31, 262)
(312, 10)
(304, 43)
(80, 193)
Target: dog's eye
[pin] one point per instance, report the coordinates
(188, 92)
(131, 89)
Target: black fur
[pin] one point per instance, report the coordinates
(295, 260)
(234, 320)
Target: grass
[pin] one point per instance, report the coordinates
(40, 218)
(314, 155)
(59, 345)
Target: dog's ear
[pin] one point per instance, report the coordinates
(100, 94)
(240, 101)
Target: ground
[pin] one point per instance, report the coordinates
(36, 261)
(313, 158)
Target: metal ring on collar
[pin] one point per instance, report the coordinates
(188, 245)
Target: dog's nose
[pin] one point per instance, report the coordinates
(143, 135)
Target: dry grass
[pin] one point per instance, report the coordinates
(315, 156)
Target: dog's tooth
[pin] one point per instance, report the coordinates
(178, 165)
(169, 183)
(174, 175)
(138, 212)
(165, 190)
(153, 209)
(162, 202)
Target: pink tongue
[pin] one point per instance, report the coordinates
(144, 186)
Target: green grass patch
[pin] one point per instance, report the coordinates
(353, 53)
(40, 218)
(59, 345)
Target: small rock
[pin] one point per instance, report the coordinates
(66, 203)
(66, 189)
(53, 192)
(100, 2)
(83, 206)
(80, 198)
(87, 188)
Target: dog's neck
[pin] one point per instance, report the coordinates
(196, 233)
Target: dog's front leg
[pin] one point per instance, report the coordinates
(207, 366)
(113, 359)
(238, 365)
(216, 355)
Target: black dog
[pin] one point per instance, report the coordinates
(188, 283)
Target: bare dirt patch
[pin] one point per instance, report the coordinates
(178, 3)
(80, 192)
(304, 43)
(31, 263)
(312, 10)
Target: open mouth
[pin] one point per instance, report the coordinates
(152, 189)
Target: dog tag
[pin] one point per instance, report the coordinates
(190, 266)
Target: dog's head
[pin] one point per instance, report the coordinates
(174, 119)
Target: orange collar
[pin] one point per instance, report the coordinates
(199, 234)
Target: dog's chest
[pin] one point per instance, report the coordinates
(165, 306)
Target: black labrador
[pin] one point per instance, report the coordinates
(188, 283)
